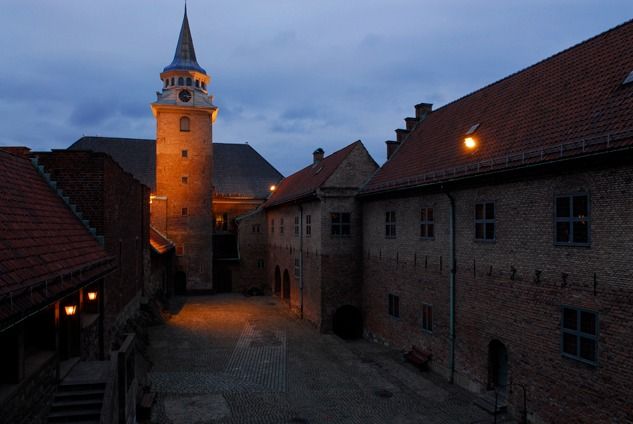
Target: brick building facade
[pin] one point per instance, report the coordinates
(314, 232)
(495, 237)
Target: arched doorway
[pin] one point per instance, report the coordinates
(277, 287)
(497, 367)
(286, 294)
(180, 282)
(348, 322)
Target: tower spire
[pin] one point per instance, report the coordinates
(185, 56)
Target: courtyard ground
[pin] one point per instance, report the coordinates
(235, 359)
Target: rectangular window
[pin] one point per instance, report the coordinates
(296, 226)
(281, 226)
(485, 222)
(394, 305)
(256, 228)
(579, 335)
(427, 229)
(341, 224)
(427, 317)
(390, 224)
(184, 179)
(184, 153)
(184, 212)
(297, 268)
(308, 225)
(272, 225)
(572, 219)
(260, 263)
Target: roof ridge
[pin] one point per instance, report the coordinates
(520, 71)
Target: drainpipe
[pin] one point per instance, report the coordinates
(301, 258)
(452, 271)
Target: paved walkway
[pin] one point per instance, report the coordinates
(236, 359)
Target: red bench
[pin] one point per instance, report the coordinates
(418, 357)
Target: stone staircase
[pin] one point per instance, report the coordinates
(77, 403)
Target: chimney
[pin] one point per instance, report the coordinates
(401, 134)
(391, 147)
(422, 110)
(317, 155)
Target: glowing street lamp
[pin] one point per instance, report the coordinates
(92, 295)
(70, 310)
(273, 187)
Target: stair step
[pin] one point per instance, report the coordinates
(79, 395)
(74, 416)
(67, 387)
(76, 404)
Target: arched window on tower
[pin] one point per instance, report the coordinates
(184, 124)
(166, 82)
(197, 83)
(172, 81)
(188, 81)
(181, 81)
(204, 86)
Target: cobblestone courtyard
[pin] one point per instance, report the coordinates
(236, 359)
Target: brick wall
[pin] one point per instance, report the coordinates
(119, 205)
(498, 296)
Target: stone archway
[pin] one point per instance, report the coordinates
(497, 367)
(277, 283)
(286, 286)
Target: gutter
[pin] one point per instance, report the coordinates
(451, 283)
(301, 258)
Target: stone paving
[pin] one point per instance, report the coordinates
(235, 359)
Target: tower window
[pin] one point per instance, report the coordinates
(181, 81)
(172, 81)
(184, 124)
(166, 82)
(204, 86)
(188, 81)
(184, 179)
(185, 212)
(197, 83)
(184, 153)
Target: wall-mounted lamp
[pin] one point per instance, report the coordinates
(92, 295)
(70, 310)
(273, 187)
(470, 143)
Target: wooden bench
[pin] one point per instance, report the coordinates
(418, 357)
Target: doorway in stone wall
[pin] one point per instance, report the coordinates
(286, 286)
(277, 287)
(180, 282)
(497, 367)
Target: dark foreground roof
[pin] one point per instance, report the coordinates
(238, 170)
(306, 181)
(45, 250)
(573, 103)
(159, 242)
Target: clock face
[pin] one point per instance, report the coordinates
(184, 96)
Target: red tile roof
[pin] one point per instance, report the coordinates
(569, 104)
(305, 182)
(159, 242)
(42, 243)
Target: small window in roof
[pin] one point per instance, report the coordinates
(628, 79)
(472, 129)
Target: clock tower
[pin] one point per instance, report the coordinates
(181, 204)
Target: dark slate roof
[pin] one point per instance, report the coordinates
(306, 181)
(567, 105)
(185, 56)
(238, 170)
(44, 249)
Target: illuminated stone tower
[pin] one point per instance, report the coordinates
(181, 204)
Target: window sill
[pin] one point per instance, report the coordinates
(581, 245)
(579, 360)
(427, 238)
(484, 241)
